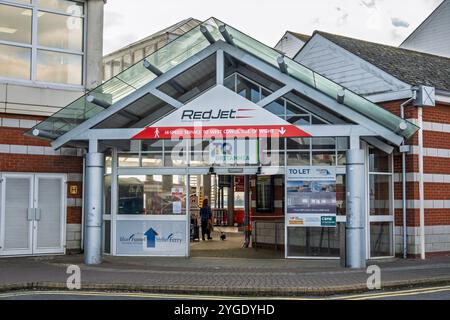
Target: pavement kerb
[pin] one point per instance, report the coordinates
(228, 291)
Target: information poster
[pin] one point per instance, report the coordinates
(311, 197)
(177, 199)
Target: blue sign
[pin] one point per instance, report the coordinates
(151, 238)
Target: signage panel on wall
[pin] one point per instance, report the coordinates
(151, 238)
(220, 113)
(233, 152)
(311, 196)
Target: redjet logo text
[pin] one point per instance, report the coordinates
(213, 114)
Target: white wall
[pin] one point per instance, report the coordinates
(433, 35)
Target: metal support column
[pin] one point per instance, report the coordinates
(356, 215)
(230, 203)
(246, 211)
(93, 206)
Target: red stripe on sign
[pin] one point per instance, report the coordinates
(269, 131)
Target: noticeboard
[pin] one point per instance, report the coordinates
(311, 197)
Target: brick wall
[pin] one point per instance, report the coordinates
(436, 144)
(20, 153)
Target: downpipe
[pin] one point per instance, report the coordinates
(405, 227)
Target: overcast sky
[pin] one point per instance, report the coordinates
(385, 21)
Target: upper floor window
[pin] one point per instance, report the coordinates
(284, 108)
(42, 41)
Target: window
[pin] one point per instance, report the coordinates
(152, 194)
(282, 107)
(381, 204)
(264, 193)
(53, 53)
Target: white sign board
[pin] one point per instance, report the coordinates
(151, 238)
(311, 197)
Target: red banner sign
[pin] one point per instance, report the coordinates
(229, 132)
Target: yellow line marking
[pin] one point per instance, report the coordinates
(363, 296)
(145, 295)
(394, 293)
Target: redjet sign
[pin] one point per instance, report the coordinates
(220, 113)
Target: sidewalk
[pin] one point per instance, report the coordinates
(254, 277)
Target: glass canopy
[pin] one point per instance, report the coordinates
(184, 47)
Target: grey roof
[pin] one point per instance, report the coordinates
(412, 67)
(301, 36)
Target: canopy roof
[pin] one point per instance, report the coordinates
(186, 46)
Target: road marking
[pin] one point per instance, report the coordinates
(409, 292)
(145, 295)
(364, 296)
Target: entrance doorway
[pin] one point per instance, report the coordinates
(232, 199)
(32, 214)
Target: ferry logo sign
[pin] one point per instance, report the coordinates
(220, 113)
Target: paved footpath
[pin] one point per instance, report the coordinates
(246, 277)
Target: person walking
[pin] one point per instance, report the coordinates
(206, 219)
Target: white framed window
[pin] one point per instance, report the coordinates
(42, 41)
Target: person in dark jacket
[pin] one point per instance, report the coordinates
(206, 216)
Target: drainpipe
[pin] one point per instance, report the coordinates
(421, 185)
(404, 149)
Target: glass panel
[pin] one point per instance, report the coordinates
(315, 120)
(313, 242)
(380, 194)
(230, 82)
(323, 158)
(15, 24)
(264, 193)
(298, 143)
(379, 161)
(248, 90)
(151, 145)
(59, 67)
(292, 109)
(381, 234)
(152, 159)
(342, 158)
(299, 119)
(341, 207)
(58, 31)
(276, 107)
(70, 7)
(324, 143)
(107, 195)
(152, 194)
(108, 164)
(15, 62)
(107, 236)
(298, 158)
(342, 143)
(129, 160)
(175, 153)
(273, 159)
